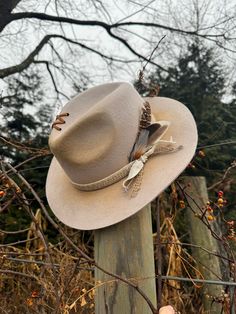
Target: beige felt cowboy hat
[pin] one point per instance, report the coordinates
(114, 152)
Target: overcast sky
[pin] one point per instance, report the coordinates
(20, 37)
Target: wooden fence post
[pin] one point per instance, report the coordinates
(125, 249)
(208, 264)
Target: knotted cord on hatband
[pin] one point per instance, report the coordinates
(59, 120)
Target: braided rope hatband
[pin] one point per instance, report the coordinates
(131, 170)
(111, 179)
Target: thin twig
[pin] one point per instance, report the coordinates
(217, 144)
(16, 273)
(21, 260)
(150, 57)
(14, 232)
(204, 281)
(198, 247)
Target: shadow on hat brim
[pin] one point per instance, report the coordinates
(101, 208)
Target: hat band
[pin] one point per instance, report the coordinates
(103, 183)
(132, 170)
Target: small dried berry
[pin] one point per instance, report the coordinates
(201, 154)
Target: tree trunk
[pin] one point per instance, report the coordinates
(6, 7)
(125, 249)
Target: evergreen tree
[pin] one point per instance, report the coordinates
(24, 129)
(19, 113)
(26, 121)
(198, 82)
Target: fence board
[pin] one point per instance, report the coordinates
(208, 264)
(125, 249)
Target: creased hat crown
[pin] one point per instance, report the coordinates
(98, 135)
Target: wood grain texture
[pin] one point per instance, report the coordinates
(125, 249)
(208, 264)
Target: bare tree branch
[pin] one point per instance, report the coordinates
(30, 58)
(53, 18)
(24, 64)
(8, 17)
(126, 44)
(47, 63)
(107, 27)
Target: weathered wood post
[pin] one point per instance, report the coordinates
(200, 235)
(125, 249)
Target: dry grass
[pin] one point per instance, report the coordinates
(68, 288)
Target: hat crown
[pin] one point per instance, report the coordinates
(99, 133)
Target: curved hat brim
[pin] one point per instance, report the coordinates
(101, 208)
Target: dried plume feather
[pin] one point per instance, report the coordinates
(142, 136)
(145, 146)
(148, 133)
(145, 119)
(146, 139)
